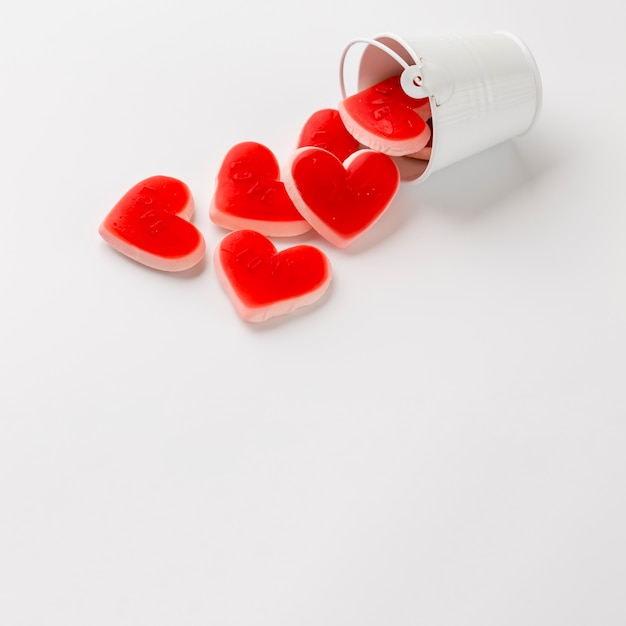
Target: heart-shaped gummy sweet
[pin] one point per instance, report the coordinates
(250, 195)
(150, 224)
(426, 152)
(341, 201)
(262, 282)
(384, 118)
(325, 129)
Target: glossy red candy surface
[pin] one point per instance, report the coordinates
(263, 282)
(150, 225)
(341, 200)
(325, 129)
(250, 194)
(385, 118)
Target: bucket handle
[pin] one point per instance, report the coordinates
(411, 80)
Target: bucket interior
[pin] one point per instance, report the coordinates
(482, 89)
(377, 65)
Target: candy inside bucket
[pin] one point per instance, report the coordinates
(482, 90)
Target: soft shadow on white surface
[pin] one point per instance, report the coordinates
(464, 190)
(193, 272)
(437, 441)
(481, 183)
(396, 216)
(196, 270)
(294, 316)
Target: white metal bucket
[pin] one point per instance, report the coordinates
(483, 90)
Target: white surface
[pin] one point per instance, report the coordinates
(440, 442)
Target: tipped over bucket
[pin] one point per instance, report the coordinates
(483, 90)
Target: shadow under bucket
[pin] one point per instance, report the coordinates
(483, 90)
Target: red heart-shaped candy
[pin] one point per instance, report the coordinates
(325, 129)
(150, 225)
(384, 118)
(250, 195)
(263, 283)
(426, 152)
(341, 200)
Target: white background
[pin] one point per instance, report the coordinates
(440, 441)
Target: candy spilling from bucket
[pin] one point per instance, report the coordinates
(483, 89)
(386, 119)
(419, 106)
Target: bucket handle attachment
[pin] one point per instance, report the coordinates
(411, 80)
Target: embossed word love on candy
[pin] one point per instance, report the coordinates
(384, 118)
(250, 195)
(150, 224)
(262, 282)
